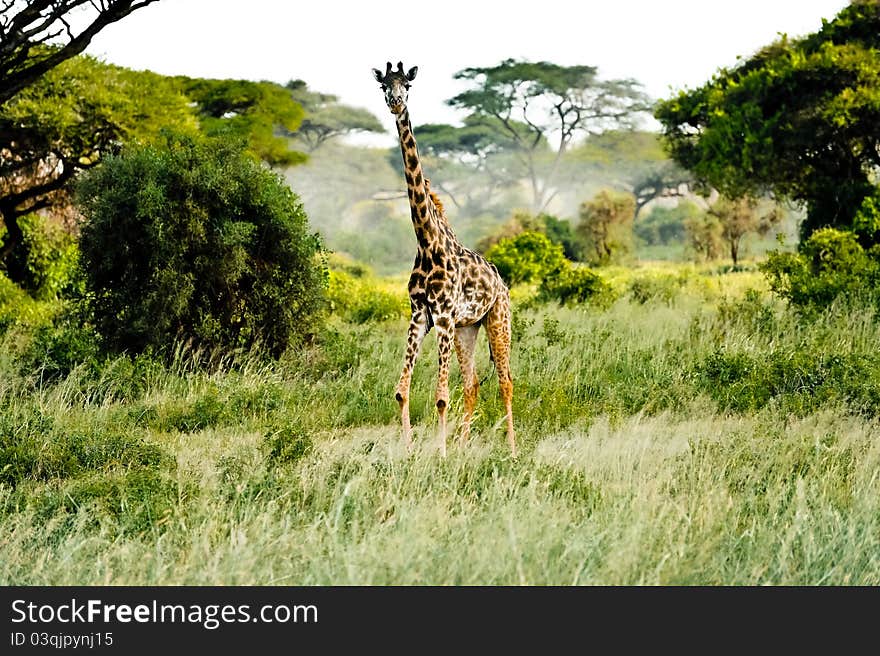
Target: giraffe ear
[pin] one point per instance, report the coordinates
(378, 75)
(411, 75)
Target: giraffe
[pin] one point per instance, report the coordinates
(451, 287)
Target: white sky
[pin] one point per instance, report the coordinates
(664, 44)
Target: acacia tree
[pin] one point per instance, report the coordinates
(738, 217)
(260, 113)
(28, 26)
(638, 163)
(83, 109)
(801, 119)
(471, 163)
(327, 119)
(64, 123)
(606, 224)
(532, 104)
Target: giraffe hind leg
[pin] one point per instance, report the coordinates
(498, 330)
(465, 341)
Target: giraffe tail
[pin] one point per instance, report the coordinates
(492, 360)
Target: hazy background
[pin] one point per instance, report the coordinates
(332, 45)
(352, 186)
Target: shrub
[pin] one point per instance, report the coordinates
(866, 223)
(831, 264)
(666, 225)
(527, 257)
(51, 256)
(18, 307)
(32, 448)
(196, 241)
(606, 225)
(360, 299)
(57, 348)
(800, 380)
(663, 288)
(576, 285)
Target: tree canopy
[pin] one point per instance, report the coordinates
(326, 118)
(531, 104)
(64, 123)
(27, 27)
(639, 162)
(800, 119)
(83, 109)
(470, 163)
(261, 113)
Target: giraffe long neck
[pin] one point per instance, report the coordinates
(422, 219)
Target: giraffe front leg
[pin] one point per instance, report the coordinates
(418, 328)
(445, 334)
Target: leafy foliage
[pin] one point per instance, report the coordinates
(831, 265)
(51, 256)
(866, 223)
(527, 257)
(606, 225)
(360, 298)
(800, 118)
(523, 102)
(63, 124)
(250, 111)
(194, 240)
(570, 284)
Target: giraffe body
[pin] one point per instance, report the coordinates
(451, 287)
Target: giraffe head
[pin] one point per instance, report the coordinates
(395, 84)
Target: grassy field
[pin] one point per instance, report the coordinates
(695, 432)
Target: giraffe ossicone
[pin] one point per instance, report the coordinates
(451, 287)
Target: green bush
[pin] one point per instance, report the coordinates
(51, 256)
(360, 299)
(527, 257)
(665, 225)
(33, 448)
(866, 223)
(750, 312)
(655, 287)
(800, 380)
(56, 348)
(196, 241)
(830, 265)
(18, 307)
(572, 284)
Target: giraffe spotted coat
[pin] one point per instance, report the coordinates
(451, 287)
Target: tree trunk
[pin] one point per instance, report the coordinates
(12, 260)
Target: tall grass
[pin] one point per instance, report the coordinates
(702, 435)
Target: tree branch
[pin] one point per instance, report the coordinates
(15, 75)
